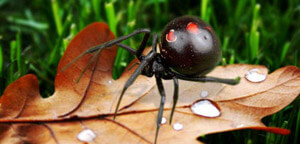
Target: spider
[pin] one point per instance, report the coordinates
(188, 50)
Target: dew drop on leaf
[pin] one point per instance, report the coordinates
(205, 108)
(86, 135)
(254, 76)
(240, 125)
(163, 120)
(204, 94)
(177, 126)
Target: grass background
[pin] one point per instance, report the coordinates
(35, 33)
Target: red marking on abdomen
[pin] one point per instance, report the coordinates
(208, 28)
(192, 27)
(170, 37)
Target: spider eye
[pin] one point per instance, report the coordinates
(192, 28)
(170, 37)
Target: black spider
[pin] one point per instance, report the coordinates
(189, 49)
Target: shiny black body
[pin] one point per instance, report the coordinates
(189, 49)
(190, 54)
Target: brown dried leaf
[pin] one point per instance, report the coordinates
(89, 104)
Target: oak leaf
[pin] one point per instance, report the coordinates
(82, 112)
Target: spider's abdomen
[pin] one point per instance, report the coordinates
(189, 46)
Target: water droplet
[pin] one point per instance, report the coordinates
(163, 120)
(177, 126)
(109, 82)
(204, 94)
(86, 135)
(254, 76)
(240, 125)
(205, 108)
(235, 125)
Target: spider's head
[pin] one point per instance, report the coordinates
(190, 46)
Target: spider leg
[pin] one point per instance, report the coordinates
(175, 98)
(134, 64)
(139, 51)
(141, 48)
(148, 58)
(129, 82)
(89, 64)
(210, 79)
(126, 47)
(161, 106)
(109, 44)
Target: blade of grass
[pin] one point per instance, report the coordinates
(204, 5)
(254, 34)
(59, 48)
(130, 11)
(1, 61)
(239, 9)
(297, 131)
(18, 54)
(112, 23)
(247, 46)
(111, 17)
(29, 23)
(225, 44)
(270, 137)
(224, 61)
(96, 8)
(283, 137)
(232, 59)
(12, 60)
(67, 40)
(57, 18)
(125, 57)
(284, 51)
(85, 13)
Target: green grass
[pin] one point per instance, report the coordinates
(56, 14)
(34, 36)
(1, 62)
